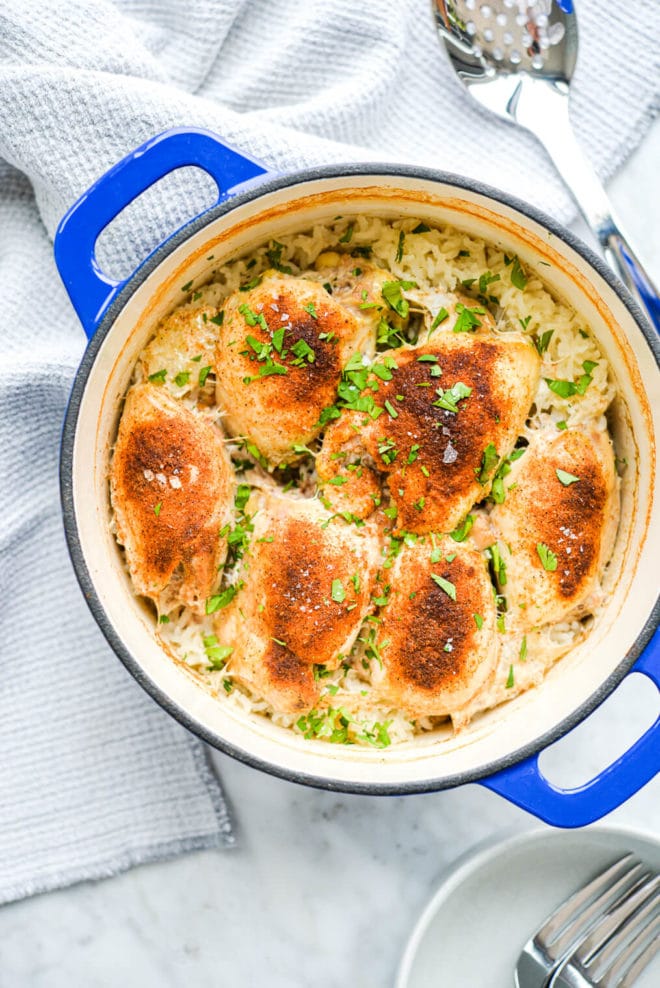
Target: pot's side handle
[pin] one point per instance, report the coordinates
(90, 290)
(525, 785)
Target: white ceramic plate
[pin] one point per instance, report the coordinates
(494, 898)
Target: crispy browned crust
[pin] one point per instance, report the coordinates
(284, 619)
(280, 410)
(435, 657)
(576, 522)
(164, 527)
(502, 372)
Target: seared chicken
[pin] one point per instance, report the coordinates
(358, 286)
(440, 417)
(182, 353)
(172, 488)
(279, 357)
(558, 524)
(437, 640)
(305, 589)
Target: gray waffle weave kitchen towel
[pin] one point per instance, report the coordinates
(93, 776)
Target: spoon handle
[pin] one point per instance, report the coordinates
(545, 113)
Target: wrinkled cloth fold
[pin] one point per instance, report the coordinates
(94, 776)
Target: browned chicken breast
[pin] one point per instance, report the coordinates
(280, 353)
(558, 524)
(182, 353)
(358, 286)
(442, 417)
(172, 488)
(437, 640)
(304, 592)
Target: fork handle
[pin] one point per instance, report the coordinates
(525, 785)
(543, 109)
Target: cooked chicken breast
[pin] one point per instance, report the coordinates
(182, 353)
(437, 640)
(305, 589)
(557, 525)
(279, 357)
(444, 415)
(172, 488)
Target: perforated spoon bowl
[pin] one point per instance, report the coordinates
(516, 58)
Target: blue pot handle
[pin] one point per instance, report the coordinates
(90, 290)
(525, 785)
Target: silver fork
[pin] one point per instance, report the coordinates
(619, 947)
(572, 921)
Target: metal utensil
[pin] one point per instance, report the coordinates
(571, 922)
(516, 57)
(619, 947)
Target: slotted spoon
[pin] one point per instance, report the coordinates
(516, 57)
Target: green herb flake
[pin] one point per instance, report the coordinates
(421, 228)
(463, 530)
(467, 319)
(489, 461)
(182, 378)
(220, 600)
(523, 649)
(391, 410)
(445, 585)
(547, 557)
(157, 508)
(274, 255)
(392, 293)
(311, 309)
(348, 235)
(566, 478)
(252, 283)
(518, 276)
(337, 592)
(428, 358)
(219, 319)
(398, 257)
(448, 400)
(479, 621)
(159, 376)
(187, 286)
(525, 322)
(216, 654)
(510, 678)
(440, 318)
(561, 425)
(541, 342)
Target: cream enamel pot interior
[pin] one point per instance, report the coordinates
(501, 748)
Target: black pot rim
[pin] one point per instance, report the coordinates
(250, 192)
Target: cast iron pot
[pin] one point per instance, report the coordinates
(501, 748)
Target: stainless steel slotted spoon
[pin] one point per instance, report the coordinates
(516, 57)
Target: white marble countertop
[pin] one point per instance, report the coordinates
(322, 888)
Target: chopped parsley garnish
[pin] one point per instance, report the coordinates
(337, 592)
(467, 318)
(488, 463)
(479, 621)
(182, 378)
(486, 279)
(302, 351)
(565, 389)
(566, 478)
(187, 286)
(220, 600)
(445, 585)
(378, 735)
(215, 653)
(428, 358)
(355, 580)
(499, 566)
(463, 530)
(518, 276)
(541, 342)
(510, 679)
(525, 322)
(381, 371)
(253, 318)
(399, 250)
(311, 308)
(388, 451)
(252, 283)
(274, 255)
(391, 410)
(163, 619)
(421, 228)
(414, 452)
(348, 235)
(365, 250)
(523, 649)
(441, 316)
(219, 319)
(157, 508)
(159, 376)
(561, 425)
(242, 496)
(547, 557)
(391, 292)
(448, 400)
(464, 253)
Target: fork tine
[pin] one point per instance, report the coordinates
(581, 918)
(618, 957)
(642, 960)
(572, 908)
(599, 946)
